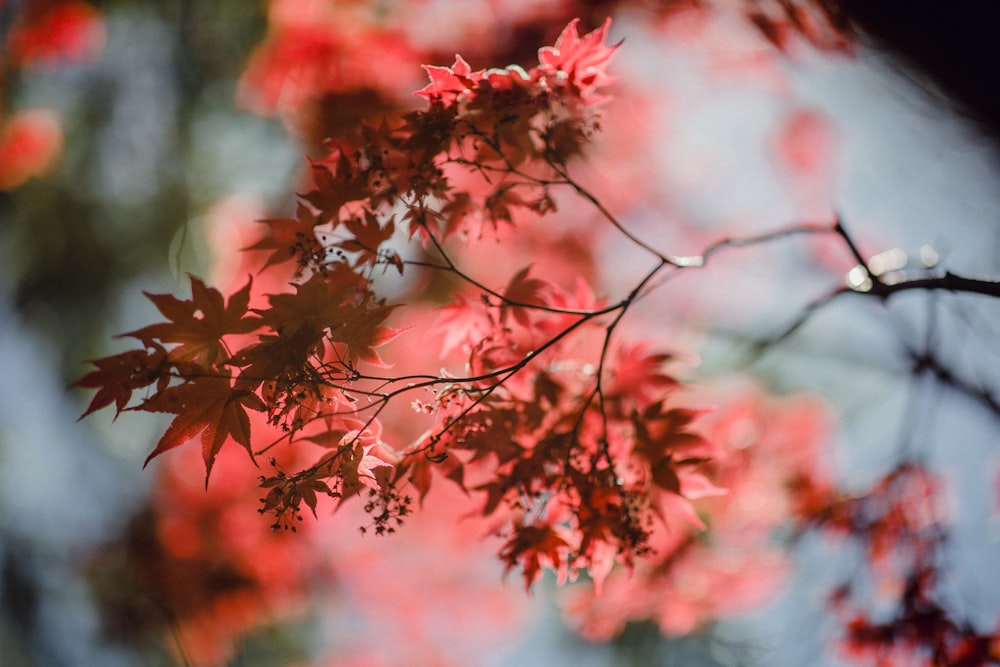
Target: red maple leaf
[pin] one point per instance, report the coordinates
(662, 434)
(461, 324)
(498, 204)
(358, 465)
(278, 360)
(288, 237)
(456, 212)
(119, 375)
(417, 468)
(450, 83)
(360, 333)
(322, 301)
(335, 188)
(209, 406)
(579, 61)
(369, 235)
(523, 291)
(532, 545)
(636, 377)
(199, 325)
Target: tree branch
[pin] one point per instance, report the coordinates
(950, 282)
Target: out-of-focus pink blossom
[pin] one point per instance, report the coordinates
(30, 142)
(47, 32)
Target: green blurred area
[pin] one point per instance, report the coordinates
(152, 138)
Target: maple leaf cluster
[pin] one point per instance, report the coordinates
(919, 631)
(899, 523)
(696, 576)
(567, 435)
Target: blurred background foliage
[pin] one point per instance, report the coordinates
(144, 123)
(150, 137)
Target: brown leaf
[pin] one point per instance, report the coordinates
(205, 405)
(199, 325)
(117, 376)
